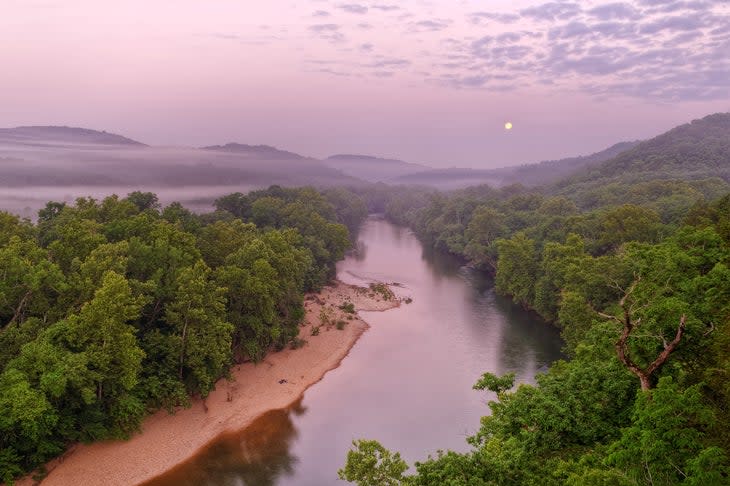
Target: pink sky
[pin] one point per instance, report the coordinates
(424, 81)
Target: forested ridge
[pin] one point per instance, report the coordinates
(112, 309)
(635, 271)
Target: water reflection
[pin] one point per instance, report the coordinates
(407, 382)
(359, 252)
(260, 455)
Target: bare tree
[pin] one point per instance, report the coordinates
(629, 325)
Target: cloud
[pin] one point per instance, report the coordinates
(248, 40)
(478, 17)
(570, 30)
(385, 62)
(552, 11)
(650, 48)
(508, 37)
(671, 7)
(319, 28)
(328, 32)
(432, 25)
(615, 11)
(320, 13)
(225, 36)
(385, 8)
(659, 49)
(679, 22)
(354, 8)
(333, 72)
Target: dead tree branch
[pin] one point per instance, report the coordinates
(629, 325)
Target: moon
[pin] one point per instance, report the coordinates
(508, 126)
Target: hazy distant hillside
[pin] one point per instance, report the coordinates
(42, 163)
(52, 136)
(372, 169)
(537, 174)
(694, 150)
(453, 178)
(550, 171)
(261, 152)
(695, 156)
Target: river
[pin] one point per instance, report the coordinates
(407, 382)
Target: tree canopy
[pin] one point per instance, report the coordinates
(112, 309)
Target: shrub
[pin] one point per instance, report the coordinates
(298, 342)
(348, 307)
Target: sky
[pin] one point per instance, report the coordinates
(424, 81)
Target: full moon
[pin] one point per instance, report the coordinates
(508, 126)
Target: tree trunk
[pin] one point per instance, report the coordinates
(184, 337)
(20, 308)
(622, 347)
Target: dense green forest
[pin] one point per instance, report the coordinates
(641, 304)
(112, 309)
(633, 265)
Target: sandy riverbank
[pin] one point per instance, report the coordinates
(167, 440)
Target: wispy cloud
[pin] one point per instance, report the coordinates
(328, 32)
(354, 8)
(667, 50)
(429, 25)
(661, 49)
(385, 8)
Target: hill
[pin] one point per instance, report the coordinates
(550, 171)
(262, 152)
(694, 150)
(537, 174)
(42, 163)
(688, 161)
(452, 178)
(372, 169)
(53, 135)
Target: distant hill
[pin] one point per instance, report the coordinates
(453, 178)
(372, 169)
(263, 152)
(695, 156)
(537, 174)
(550, 171)
(42, 163)
(53, 135)
(694, 150)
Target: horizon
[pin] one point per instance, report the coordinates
(144, 144)
(425, 82)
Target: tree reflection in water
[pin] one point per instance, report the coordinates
(256, 456)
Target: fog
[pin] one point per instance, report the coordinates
(39, 164)
(26, 201)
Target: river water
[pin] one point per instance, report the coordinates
(407, 382)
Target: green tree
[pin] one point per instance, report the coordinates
(371, 464)
(517, 268)
(667, 439)
(201, 333)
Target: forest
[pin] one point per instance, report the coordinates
(112, 309)
(116, 308)
(634, 268)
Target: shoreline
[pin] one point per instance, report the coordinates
(277, 382)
